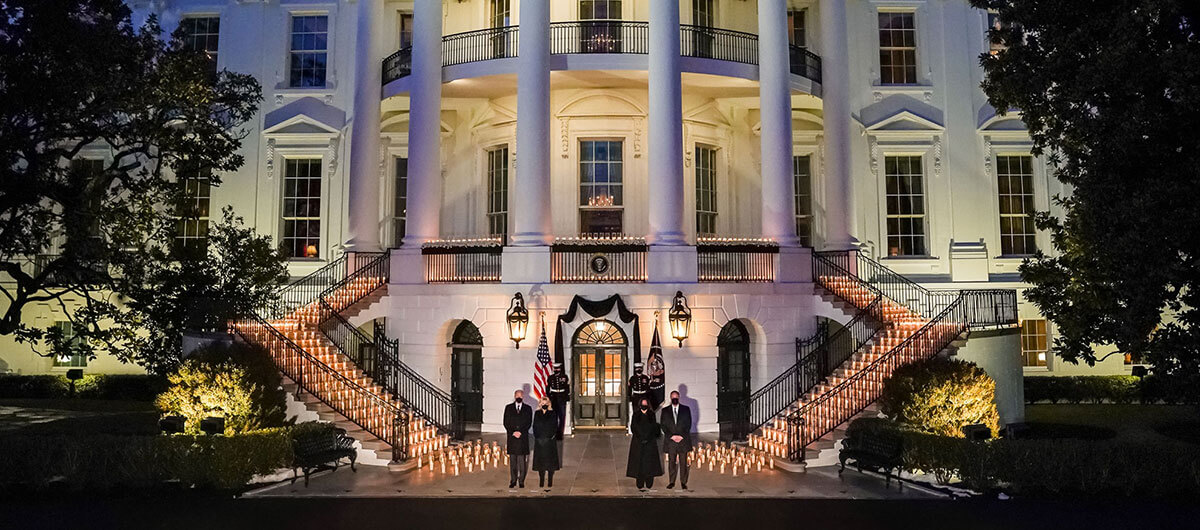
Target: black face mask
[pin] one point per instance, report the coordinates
(517, 401)
(545, 407)
(674, 401)
(645, 408)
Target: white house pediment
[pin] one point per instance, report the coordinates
(905, 121)
(601, 104)
(1011, 122)
(304, 119)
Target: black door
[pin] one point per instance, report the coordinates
(466, 371)
(733, 376)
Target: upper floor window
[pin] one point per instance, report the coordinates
(797, 30)
(599, 9)
(202, 34)
(704, 13)
(302, 208)
(802, 174)
(497, 179)
(400, 200)
(73, 357)
(601, 202)
(500, 13)
(905, 206)
(309, 51)
(897, 48)
(191, 227)
(1014, 176)
(405, 21)
(706, 191)
(91, 168)
(1034, 342)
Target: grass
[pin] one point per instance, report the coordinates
(124, 423)
(78, 416)
(1125, 422)
(80, 405)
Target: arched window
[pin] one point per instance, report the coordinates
(599, 332)
(466, 334)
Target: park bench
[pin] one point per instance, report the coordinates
(314, 450)
(877, 451)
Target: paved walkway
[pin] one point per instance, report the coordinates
(594, 465)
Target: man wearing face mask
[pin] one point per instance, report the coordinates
(644, 463)
(677, 430)
(518, 418)
(559, 387)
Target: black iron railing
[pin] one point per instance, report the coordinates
(599, 36)
(425, 399)
(716, 43)
(479, 45)
(598, 261)
(720, 262)
(463, 263)
(307, 290)
(397, 65)
(805, 63)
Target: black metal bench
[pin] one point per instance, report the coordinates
(315, 450)
(882, 452)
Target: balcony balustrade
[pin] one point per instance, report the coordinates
(602, 36)
(735, 260)
(463, 261)
(605, 259)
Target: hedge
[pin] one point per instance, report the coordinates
(1107, 389)
(132, 387)
(941, 396)
(1050, 468)
(97, 463)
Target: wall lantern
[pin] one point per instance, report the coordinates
(518, 320)
(680, 318)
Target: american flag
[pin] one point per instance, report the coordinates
(541, 366)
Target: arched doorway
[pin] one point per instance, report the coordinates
(733, 374)
(466, 371)
(598, 354)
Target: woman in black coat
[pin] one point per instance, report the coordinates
(545, 443)
(645, 463)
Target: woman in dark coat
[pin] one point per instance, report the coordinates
(645, 462)
(545, 443)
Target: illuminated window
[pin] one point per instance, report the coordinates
(905, 206)
(601, 200)
(497, 179)
(706, 191)
(600, 10)
(309, 51)
(1015, 184)
(802, 173)
(1034, 342)
(202, 34)
(302, 208)
(73, 358)
(191, 225)
(897, 48)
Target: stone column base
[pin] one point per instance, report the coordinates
(525, 265)
(671, 264)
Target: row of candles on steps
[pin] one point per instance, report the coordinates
(450, 459)
(718, 456)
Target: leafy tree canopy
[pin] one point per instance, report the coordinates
(1110, 91)
(97, 118)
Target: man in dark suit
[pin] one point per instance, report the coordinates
(518, 418)
(676, 422)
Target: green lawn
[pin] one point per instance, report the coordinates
(77, 416)
(1124, 422)
(81, 405)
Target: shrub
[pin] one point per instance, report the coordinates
(238, 383)
(941, 396)
(132, 387)
(1083, 389)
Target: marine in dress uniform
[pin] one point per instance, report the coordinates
(559, 386)
(638, 388)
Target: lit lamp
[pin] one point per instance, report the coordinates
(310, 251)
(680, 318)
(518, 320)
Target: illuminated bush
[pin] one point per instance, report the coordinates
(941, 396)
(238, 383)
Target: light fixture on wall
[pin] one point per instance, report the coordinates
(680, 317)
(518, 319)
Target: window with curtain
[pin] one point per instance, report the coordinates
(1035, 342)
(905, 206)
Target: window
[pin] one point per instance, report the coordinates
(201, 34)
(802, 173)
(1014, 176)
(797, 31)
(302, 208)
(600, 189)
(897, 48)
(91, 168)
(704, 13)
(309, 50)
(400, 200)
(406, 30)
(905, 206)
(994, 22)
(191, 226)
(1034, 342)
(706, 191)
(73, 358)
(500, 13)
(497, 178)
(599, 9)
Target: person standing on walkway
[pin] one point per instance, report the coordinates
(559, 386)
(677, 439)
(518, 418)
(644, 463)
(545, 443)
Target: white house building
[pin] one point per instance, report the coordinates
(580, 150)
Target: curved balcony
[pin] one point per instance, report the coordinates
(602, 37)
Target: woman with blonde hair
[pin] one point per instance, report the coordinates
(545, 446)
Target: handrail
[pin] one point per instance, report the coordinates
(599, 36)
(707, 42)
(424, 398)
(308, 289)
(480, 45)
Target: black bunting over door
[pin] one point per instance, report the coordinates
(597, 309)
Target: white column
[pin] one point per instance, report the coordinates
(835, 96)
(424, 126)
(531, 204)
(666, 126)
(364, 176)
(775, 99)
